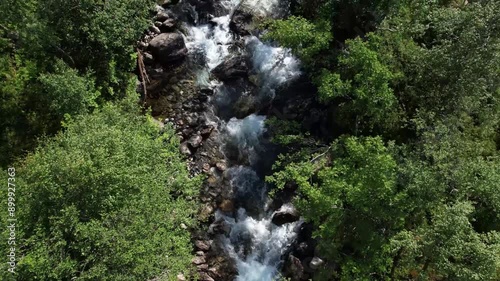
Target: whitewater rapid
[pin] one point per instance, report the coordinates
(254, 242)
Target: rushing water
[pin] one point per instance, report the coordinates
(254, 242)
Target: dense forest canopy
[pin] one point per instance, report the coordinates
(102, 190)
(409, 187)
(404, 185)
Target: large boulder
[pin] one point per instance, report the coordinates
(232, 68)
(241, 22)
(168, 48)
(286, 214)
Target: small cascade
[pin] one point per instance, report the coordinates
(254, 242)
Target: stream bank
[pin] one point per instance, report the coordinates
(205, 72)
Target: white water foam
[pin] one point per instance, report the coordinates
(254, 242)
(274, 65)
(266, 243)
(245, 134)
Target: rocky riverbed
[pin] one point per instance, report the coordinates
(204, 71)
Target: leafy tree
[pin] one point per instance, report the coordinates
(105, 200)
(68, 92)
(306, 39)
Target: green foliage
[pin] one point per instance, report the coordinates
(105, 200)
(62, 58)
(67, 91)
(306, 39)
(353, 199)
(285, 132)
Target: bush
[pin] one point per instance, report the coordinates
(104, 200)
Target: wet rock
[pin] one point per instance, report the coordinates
(286, 214)
(185, 149)
(198, 260)
(241, 22)
(195, 141)
(219, 227)
(226, 206)
(244, 106)
(221, 166)
(168, 25)
(205, 132)
(168, 47)
(294, 268)
(202, 245)
(316, 263)
(231, 69)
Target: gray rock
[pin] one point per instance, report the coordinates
(202, 245)
(221, 166)
(316, 263)
(241, 22)
(185, 149)
(168, 47)
(294, 268)
(162, 16)
(155, 29)
(168, 25)
(205, 277)
(286, 214)
(198, 260)
(231, 69)
(195, 141)
(180, 277)
(148, 58)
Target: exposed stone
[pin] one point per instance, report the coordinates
(231, 69)
(206, 212)
(220, 227)
(205, 132)
(195, 141)
(221, 166)
(168, 47)
(202, 266)
(200, 253)
(185, 149)
(294, 268)
(168, 25)
(155, 29)
(244, 106)
(202, 245)
(148, 58)
(206, 167)
(240, 22)
(286, 214)
(180, 277)
(183, 226)
(316, 263)
(205, 277)
(226, 206)
(198, 260)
